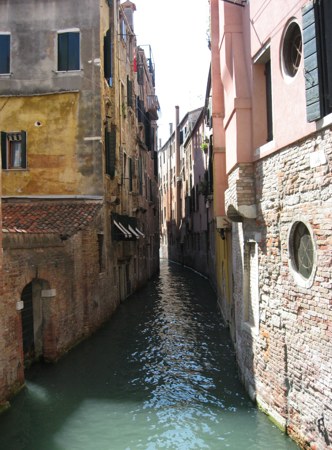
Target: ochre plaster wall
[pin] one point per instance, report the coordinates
(51, 124)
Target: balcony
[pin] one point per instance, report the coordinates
(153, 106)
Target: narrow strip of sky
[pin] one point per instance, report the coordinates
(177, 31)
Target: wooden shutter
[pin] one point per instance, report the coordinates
(130, 174)
(327, 35)
(3, 150)
(108, 56)
(63, 51)
(24, 149)
(5, 53)
(73, 51)
(129, 92)
(311, 63)
(110, 151)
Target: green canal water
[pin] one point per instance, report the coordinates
(161, 374)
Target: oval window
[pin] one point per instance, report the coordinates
(292, 49)
(302, 250)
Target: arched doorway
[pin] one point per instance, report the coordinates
(32, 318)
(27, 324)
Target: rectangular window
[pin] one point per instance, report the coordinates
(68, 51)
(13, 150)
(317, 45)
(4, 53)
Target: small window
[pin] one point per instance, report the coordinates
(68, 51)
(292, 50)
(4, 53)
(302, 254)
(13, 150)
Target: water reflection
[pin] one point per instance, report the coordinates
(160, 375)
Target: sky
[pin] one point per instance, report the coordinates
(177, 31)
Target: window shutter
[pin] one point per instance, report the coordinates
(112, 140)
(5, 53)
(24, 149)
(62, 51)
(4, 150)
(130, 174)
(328, 48)
(110, 151)
(108, 56)
(129, 92)
(73, 51)
(311, 63)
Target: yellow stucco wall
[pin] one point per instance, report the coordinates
(51, 124)
(224, 274)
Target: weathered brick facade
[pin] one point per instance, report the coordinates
(276, 115)
(286, 361)
(85, 154)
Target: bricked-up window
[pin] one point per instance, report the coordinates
(250, 285)
(317, 46)
(13, 150)
(68, 51)
(4, 53)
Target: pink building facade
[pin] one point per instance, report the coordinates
(272, 122)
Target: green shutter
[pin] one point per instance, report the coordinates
(63, 51)
(3, 150)
(327, 15)
(311, 64)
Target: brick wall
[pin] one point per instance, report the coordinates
(287, 363)
(75, 299)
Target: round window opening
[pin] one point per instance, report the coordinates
(292, 49)
(303, 250)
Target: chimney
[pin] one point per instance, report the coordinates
(128, 9)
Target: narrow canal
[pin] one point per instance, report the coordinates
(160, 375)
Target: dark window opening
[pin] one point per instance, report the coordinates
(4, 53)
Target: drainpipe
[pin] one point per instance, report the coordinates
(177, 167)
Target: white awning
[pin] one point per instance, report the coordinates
(139, 232)
(122, 229)
(130, 228)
